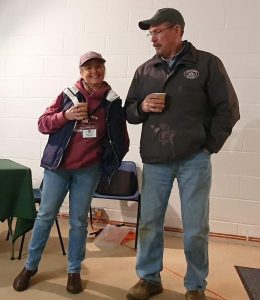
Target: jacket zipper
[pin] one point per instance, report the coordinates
(110, 141)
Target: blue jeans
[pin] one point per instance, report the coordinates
(81, 184)
(194, 180)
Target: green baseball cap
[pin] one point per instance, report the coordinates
(163, 15)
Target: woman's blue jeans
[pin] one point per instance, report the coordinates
(194, 180)
(81, 184)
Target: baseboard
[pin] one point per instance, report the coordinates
(179, 231)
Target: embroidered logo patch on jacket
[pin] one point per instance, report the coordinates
(191, 74)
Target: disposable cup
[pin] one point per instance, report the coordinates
(161, 96)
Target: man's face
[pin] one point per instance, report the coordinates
(166, 39)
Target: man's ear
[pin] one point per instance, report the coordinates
(177, 28)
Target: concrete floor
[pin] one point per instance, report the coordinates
(109, 273)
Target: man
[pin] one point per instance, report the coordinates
(178, 137)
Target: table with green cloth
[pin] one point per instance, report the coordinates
(16, 198)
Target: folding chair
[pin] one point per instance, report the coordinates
(37, 197)
(128, 166)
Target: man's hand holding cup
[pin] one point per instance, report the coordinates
(154, 102)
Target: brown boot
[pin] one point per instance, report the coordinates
(21, 282)
(74, 284)
(144, 290)
(195, 295)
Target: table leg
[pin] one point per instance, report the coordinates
(9, 220)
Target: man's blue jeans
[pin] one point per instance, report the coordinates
(81, 184)
(194, 180)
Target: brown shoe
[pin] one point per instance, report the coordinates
(74, 284)
(22, 280)
(143, 290)
(195, 295)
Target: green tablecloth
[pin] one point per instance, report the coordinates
(16, 196)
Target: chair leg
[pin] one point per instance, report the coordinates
(21, 247)
(90, 215)
(8, 232)
(10, 235)
(60, 237)
(137, 223)
(97, 232)
(7, 236)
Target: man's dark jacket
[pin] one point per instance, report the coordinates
(201, 106)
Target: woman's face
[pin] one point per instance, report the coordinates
(93, 73)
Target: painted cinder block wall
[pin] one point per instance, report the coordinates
(40, 45)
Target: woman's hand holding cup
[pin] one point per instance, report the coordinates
(77, 112)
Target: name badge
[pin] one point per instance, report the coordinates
(89, 133)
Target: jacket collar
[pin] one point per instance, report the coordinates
(187, 56)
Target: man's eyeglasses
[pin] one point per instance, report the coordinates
(157, 32)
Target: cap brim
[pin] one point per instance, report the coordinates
(145, 25)
(101, 59)
(96, 58)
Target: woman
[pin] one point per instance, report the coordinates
(87, 135)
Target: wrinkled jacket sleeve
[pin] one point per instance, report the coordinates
(223, 106)
(53, 118)
(116, 143)
(134, 114)
(118, 129)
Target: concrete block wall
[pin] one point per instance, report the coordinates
(41, 42)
